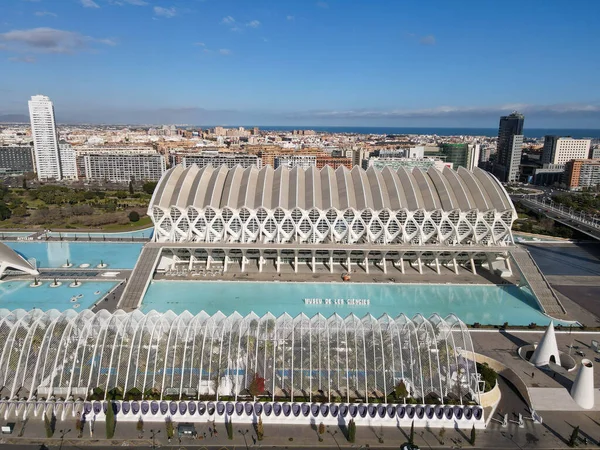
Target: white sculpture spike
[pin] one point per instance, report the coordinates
(546, 349)
(582, 390)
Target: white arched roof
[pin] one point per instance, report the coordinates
(11, 259)
(327, 188)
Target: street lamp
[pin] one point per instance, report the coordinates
(62, 436)
(154, 433)
(333, 433)
(244, 433)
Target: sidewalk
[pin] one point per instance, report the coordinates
(553, 434)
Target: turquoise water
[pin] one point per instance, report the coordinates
(486, 304)
(19, 295)
(145, 233)
(53, 254)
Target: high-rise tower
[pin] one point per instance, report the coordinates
(45, 138)
(510, 147)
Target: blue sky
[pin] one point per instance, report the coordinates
(304, 62)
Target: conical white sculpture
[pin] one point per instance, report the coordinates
(546, 349)
(582, 390)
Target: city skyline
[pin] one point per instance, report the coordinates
(299, 63)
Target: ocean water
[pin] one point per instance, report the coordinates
(442, 131)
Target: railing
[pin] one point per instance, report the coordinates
(569, 212)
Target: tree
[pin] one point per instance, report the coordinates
(229, 428)
(260, 432)
(131, 187)
(473, 435)
(5, 212)
(400, 390)
(169, 428)
(257, 385)
(351, 431)
(148, 187)
(111, 422)
(441, 435)
(140, 425)
(134, 216)
(411, 437)
(25, 183)
(321, 428)
(574, 436)
(49, 424)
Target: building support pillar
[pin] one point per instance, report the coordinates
(314, 264)
(455, 266)
(473, 267)
(420, 263)
(225, 262)
(191, 264)
(366, 264)
(331, 264)
(384, 265)
(208, 261)
(278, 263)
(402, 266)
(348, 265)
(437, 265)
(260, 263)
(243, 263)
(296, 264)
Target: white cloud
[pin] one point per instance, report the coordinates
(228, 20)
(253, 24)
(323, 5)
(290, 17)
(89, 4)
(224, 51)
(45, 13)
(167, 13)
(200, 44)
(49, 40)
(23, 59)
(427, 40)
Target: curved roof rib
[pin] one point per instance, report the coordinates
(11, 259)
(327, 188)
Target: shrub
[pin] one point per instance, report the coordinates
(441, 435)
(473, 435)
(411, 436)
(488, 375)
(140, 424)
(532, 325)
(134, 216)
(351, 431)
(321, 428)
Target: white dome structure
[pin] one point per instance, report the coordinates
(547, 350)
(582, 390)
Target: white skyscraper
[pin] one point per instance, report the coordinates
(45, 138)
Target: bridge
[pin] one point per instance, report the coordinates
(578, 220)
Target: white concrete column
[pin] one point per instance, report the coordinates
(473, 267)
(384, 265)
(278, 263)
(260, 263)
(296, 264)
(331, 264)
(191, 264)
(366, 264)
(420, 265)
(208, 259)
(349, 265)
(437, 266)
(402, 265)
(314, 264)
(243, 263)
(455, 266)
(225, 261)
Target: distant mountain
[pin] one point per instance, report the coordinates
(14, 118)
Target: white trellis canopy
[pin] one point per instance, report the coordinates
(325, 206)
(67, 354)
